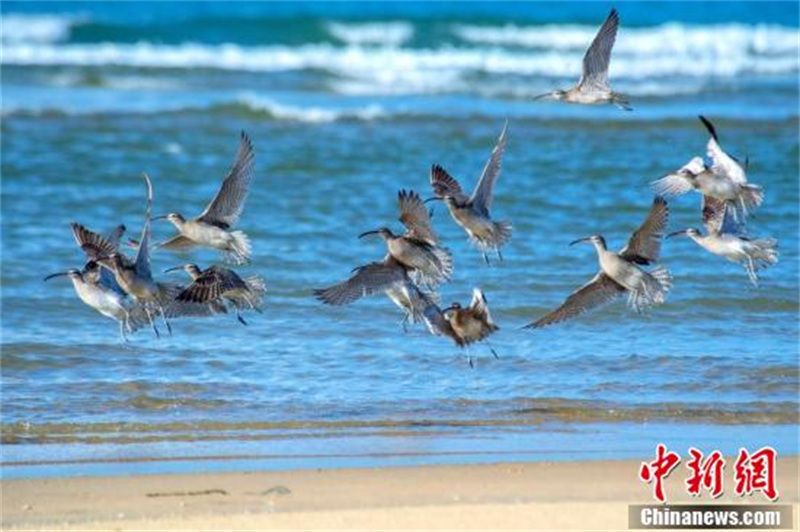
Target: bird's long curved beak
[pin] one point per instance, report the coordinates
(59, 274)
(676, 233)
(584, 239)
(448, 309)
(435, 198)
(160, 217)
(543, 96)
(373, 232)
(176, 268)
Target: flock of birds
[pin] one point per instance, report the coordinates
(416, 263)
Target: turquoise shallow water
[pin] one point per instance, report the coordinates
(345, 106)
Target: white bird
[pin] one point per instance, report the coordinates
(212, 228)
(721, 239)
(724, 180)
(97, 288)
(593, 87)
(620, 272)
(472, 213)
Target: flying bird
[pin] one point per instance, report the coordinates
(724, 180)
(621, 273)
(388, 276)
(216, 285)
(212, 228)
(417, 249)
(463, 325)
(593, 87)
(722, 239)
(472, 213)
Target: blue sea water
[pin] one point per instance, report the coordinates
(346, 104)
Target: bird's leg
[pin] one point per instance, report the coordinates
(469, 358)
(240, 318)
(122, 331)
(499, 255)
(486, 258)
(751, 271)
(491, 348)
(164, 318)
(404, 324)
(152, 323)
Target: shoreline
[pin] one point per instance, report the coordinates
(523, 495)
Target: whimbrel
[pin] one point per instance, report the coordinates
(721, 239)
(389, 276)
(593, 87)
(620, 272)
(463, 325)
(216, 284)
(212, 228)
(97, 288)
(725, 179)
(418, 248)
(135, 277)
(472, 213)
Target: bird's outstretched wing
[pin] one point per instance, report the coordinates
(94, 245)
(644, 245)
(142, 260)
(445, 185)
(600, 290)
(598, 56)
(227, 206)
(367, 280)
(176, 243)
(211, 285)
(415, 217)
(482, 196)
(719, 217)
(722, 163)
(480, 306)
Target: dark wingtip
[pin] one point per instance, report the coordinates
(709, 126)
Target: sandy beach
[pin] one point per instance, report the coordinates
(545, 495)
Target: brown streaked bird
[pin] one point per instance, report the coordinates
(593, 87)
(724, 180)
(216, 285)
(620, 273)
(462, 325)
(472, 213)
(212, 228)
(417, 249)
(388, 276)
(723, 239)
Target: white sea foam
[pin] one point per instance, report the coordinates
(381, 33)
(722, 39)
(18, 28)
(312, 114)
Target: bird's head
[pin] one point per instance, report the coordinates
(71, 273)
(384, 232)
(192, 269)
(596, 240)
(690, 232)
(175, 218)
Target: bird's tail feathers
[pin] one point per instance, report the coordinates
(653, 291)
(240, 248)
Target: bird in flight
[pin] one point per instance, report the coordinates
(593, 87)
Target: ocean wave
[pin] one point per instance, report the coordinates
(393, 67)
(383, 33)
(19, 28)
(310, 114)
(673, 38)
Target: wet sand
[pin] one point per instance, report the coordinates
(543, 495)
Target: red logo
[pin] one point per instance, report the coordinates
(752, 472)
(659, 469)
(756, 472)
